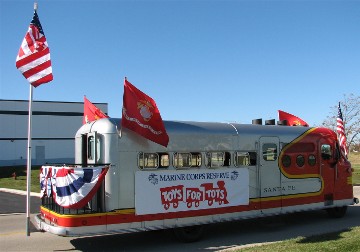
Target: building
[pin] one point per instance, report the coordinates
(54, 125)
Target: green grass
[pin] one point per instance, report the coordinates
(345, 240)
(355, 164)
(20, 182)
(356, 175)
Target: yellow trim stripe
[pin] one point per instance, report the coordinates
(292, 196)
(117, 212)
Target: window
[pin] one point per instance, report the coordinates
(217, 159)
(269, 152)
(312, 160)
(326, 151)
(148, 160)
(164, 160)
(195, 159)
(286, 160)
(242, 158)
(93, 148)
(300, 160)
(187, 159)
(245, 158)
(153, 160)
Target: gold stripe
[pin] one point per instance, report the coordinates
(116, 212)
(292, 196)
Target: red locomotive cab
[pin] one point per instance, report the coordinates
(342, 160)
(344, 172)
(336, 170)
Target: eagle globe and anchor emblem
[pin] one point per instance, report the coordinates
(145, 108)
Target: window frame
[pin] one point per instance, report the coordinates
(189, 160)
(244, 154)
(326, 153)
(270, 151)
(225, 162)
(143, 167)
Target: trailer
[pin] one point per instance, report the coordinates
(209, 172)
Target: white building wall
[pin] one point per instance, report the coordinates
(54, 125)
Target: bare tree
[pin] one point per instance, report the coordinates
(350, 107)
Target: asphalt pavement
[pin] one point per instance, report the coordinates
(13, 202)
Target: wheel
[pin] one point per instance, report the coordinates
(189, 234)
(337, 212)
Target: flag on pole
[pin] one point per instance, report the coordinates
(341, 131)
(291, 119)
(33, 59)
(141, 115)
(91, 112)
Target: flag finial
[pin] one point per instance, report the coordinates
(35, 6)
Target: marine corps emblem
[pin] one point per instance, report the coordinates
(145, 108)
(296, 123)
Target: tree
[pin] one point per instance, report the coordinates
(350, 107)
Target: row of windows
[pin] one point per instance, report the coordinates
(300, 160)
(183, 160)
(215, 159)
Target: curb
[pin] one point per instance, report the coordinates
(20, 192)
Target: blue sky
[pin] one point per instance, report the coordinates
(226, 61)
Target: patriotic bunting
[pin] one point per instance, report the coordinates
(71, 187)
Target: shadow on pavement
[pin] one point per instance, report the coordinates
(226, 235)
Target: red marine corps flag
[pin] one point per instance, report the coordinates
(91, 112)
(33, 59)
(141, 115)
(291, 119)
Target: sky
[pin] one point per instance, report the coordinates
(200, 60)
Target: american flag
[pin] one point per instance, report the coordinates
(341, 131)
(33, 59)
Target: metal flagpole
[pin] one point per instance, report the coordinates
(28, 169)
(28, 173)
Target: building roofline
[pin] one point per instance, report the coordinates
(105, 103)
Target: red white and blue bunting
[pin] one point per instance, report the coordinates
(71, 187)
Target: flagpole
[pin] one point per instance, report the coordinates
(28, 165)
(28, 173)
